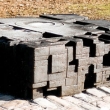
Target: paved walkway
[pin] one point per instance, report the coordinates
(92, 99)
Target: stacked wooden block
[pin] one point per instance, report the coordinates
(37, 63)
(48, 63)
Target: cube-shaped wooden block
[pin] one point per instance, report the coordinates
(69, 90)
(59, 62)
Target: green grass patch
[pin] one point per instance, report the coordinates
(93, 11)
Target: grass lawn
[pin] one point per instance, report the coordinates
(94, 9)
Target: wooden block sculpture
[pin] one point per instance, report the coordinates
(53, 54)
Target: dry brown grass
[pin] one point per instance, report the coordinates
(94, 9)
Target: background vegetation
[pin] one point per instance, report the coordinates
(94, 9)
